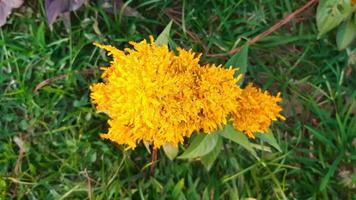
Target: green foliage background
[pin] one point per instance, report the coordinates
(59, 128)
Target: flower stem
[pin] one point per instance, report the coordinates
(153, 160)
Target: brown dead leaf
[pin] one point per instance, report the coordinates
(5, 9)
(54, 8)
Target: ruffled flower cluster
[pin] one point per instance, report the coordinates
(255, 111)
(158, 96)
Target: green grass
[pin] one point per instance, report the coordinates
(60, 128)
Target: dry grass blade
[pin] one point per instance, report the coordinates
(90, 191)
(20, 143)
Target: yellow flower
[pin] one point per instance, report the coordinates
(217, 92)
(255, 111)
(154, 95)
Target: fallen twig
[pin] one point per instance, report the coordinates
(273, 28)
(62, 76)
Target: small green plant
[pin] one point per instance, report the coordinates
(163, 102)
(340, 14)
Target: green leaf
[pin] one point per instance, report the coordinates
(238, 137)
(170, 151)
(330, 173)
(177, 192)
(270, 139)
(331, 13)
(40, 36)
(261, 147)
(209, 159)
(201, 145)
(239, 60)
(163, 38)
(346, 33)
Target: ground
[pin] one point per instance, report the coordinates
(50, 145)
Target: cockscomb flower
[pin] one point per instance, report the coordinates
(255, 111)
(155, 95)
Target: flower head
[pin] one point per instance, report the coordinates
(255, 111)
(158, 96)
(153, 95)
